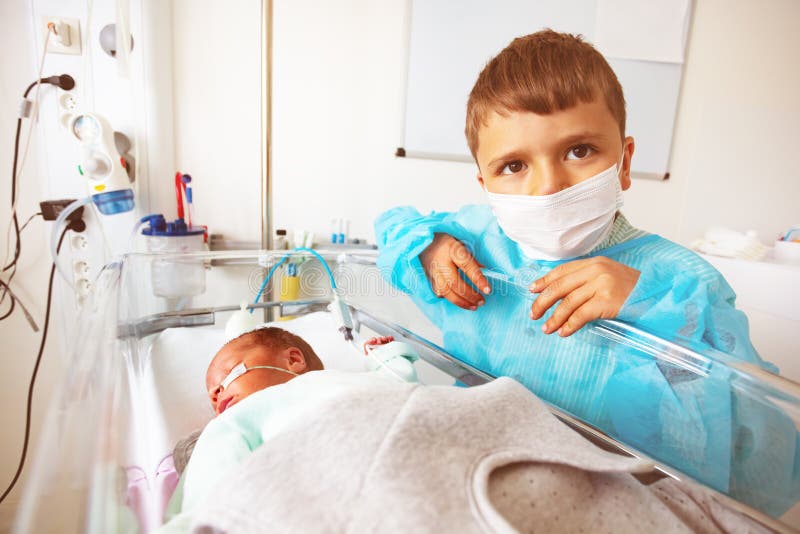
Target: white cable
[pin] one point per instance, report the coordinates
(106, 246)
(123, 36)
(140, 130)
(36, 105)
(18, 172)
(88, 72)
(135, 234)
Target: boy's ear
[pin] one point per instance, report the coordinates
(627, 154)
(295, 361)
(480, 180)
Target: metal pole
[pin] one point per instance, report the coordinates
(266, 124)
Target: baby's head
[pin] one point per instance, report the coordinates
(270, 356)
(545, 114)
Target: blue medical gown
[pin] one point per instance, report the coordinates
(701, 421)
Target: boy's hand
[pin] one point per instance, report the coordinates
(594, 288)
(442, 260)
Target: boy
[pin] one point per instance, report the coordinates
(546, 126)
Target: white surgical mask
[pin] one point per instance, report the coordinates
(563, 225)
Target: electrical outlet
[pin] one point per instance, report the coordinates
(79, 243)
(65, 37)
(83, 287)
(81, 268)
(68, 104)
(67, 101)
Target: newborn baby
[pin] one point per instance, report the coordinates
(254, 361)
(243, 382)
(270, 356)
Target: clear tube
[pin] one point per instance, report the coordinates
(134, 234)
(135, 231)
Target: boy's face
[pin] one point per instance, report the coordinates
(524, 153)
(243, 350)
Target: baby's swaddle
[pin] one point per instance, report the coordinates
(395, 359)
(383, 456)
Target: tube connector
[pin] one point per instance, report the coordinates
(341, 313)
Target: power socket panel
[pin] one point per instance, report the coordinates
(69, 39)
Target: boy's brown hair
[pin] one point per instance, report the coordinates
(277, 339)
(542, 72)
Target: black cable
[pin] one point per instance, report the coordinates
(7, 285)
(65, 82)
(17, 230)
(7, 289)
(17, 246)
(37, 214)
(35, 371)
(13, 301)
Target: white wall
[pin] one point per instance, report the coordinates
(217, 80)
(339, 79)
(338, 115)
(733, 155)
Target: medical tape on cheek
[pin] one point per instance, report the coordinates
(235, 373)
(241, 369)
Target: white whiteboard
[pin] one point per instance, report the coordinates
(450, 42)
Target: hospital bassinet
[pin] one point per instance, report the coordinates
(134, 384)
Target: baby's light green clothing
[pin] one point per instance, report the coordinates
(233, 435)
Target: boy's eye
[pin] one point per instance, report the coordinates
(579, 152)
(513, 168)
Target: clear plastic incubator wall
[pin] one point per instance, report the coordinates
(135, 385)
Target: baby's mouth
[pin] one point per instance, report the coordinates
(224, 404)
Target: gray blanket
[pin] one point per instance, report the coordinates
(391, 457)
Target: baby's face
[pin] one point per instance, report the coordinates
(524, 153)
(251, 354)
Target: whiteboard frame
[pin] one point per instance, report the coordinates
(402, 152)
